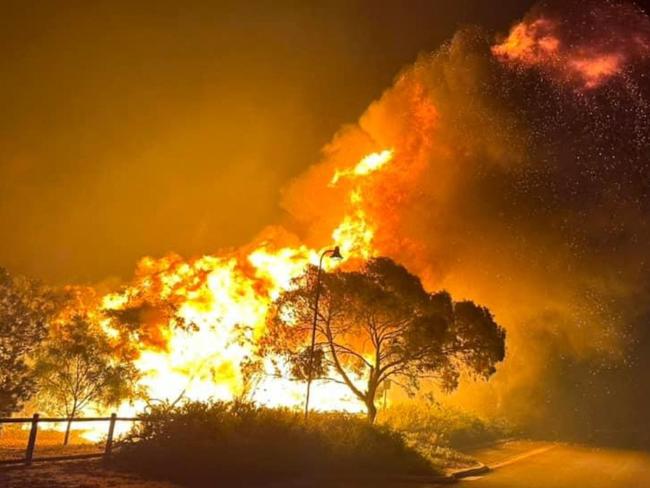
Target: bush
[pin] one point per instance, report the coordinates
(443, 426)
(198, 442)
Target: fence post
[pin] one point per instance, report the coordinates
(109, 439)
(29, 454)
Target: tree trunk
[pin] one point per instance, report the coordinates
(67, 428)
(372, 410)
(370, 395)
(67, 432)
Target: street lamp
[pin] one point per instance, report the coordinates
(334, 254)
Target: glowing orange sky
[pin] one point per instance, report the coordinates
(133, 130)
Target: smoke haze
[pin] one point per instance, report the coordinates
(134, 129)
(526, 189)
(520, 176)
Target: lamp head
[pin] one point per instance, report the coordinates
(336, 253)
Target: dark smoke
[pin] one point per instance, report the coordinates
(531, 196)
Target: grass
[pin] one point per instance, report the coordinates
(440, 433)
(13, 442)
(436, 425)
(442, 457)
(201, 442)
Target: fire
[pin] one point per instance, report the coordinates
(355, 233)
(369, 164)
(599, 55)
(596, 69)
(529, 43)
(223, 300)
(448, 138)
(226, 298)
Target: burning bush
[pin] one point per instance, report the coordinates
(213, 441)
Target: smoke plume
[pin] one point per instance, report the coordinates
(521, 180)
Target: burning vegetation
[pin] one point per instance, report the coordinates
(512, 173)
(236, 327)
(378, 326)
(550, 39)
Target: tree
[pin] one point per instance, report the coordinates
(25, 310)
(378, 324)
(140, 323)
(78, 367)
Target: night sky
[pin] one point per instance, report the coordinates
(139, 128)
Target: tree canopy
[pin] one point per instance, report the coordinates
(379, 323)
(79, 367)
(26, 308)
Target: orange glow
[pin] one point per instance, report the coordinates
(529, 43)
(226, 299)
(369, 164)
(595, 70)
(541, 43)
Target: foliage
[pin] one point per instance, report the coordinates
(25, 310)
(378, 324)
(139, 322)
(432, 424)
(198, 443)
(78, 367)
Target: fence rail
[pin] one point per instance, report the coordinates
(35, 420)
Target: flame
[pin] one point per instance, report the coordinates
(226, 298)
(595, 70)
(529, 43)
(369, 164)
(603, 52)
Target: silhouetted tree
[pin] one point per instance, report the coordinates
(379, 323)
(25, 310)
(140, 323)
(78, 367)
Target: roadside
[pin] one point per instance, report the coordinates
(496, 455)
(513, 464)
(539, 465)
(500, 453)
(93, 474)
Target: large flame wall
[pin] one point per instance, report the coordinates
(511, 172)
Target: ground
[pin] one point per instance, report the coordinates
(520, 464)
(87, 474)
(539, 465)
(77, 474)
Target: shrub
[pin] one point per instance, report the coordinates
(443, 426)
(213, 441)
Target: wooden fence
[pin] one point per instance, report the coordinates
(31, 442)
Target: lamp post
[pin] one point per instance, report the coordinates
(334, 254)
